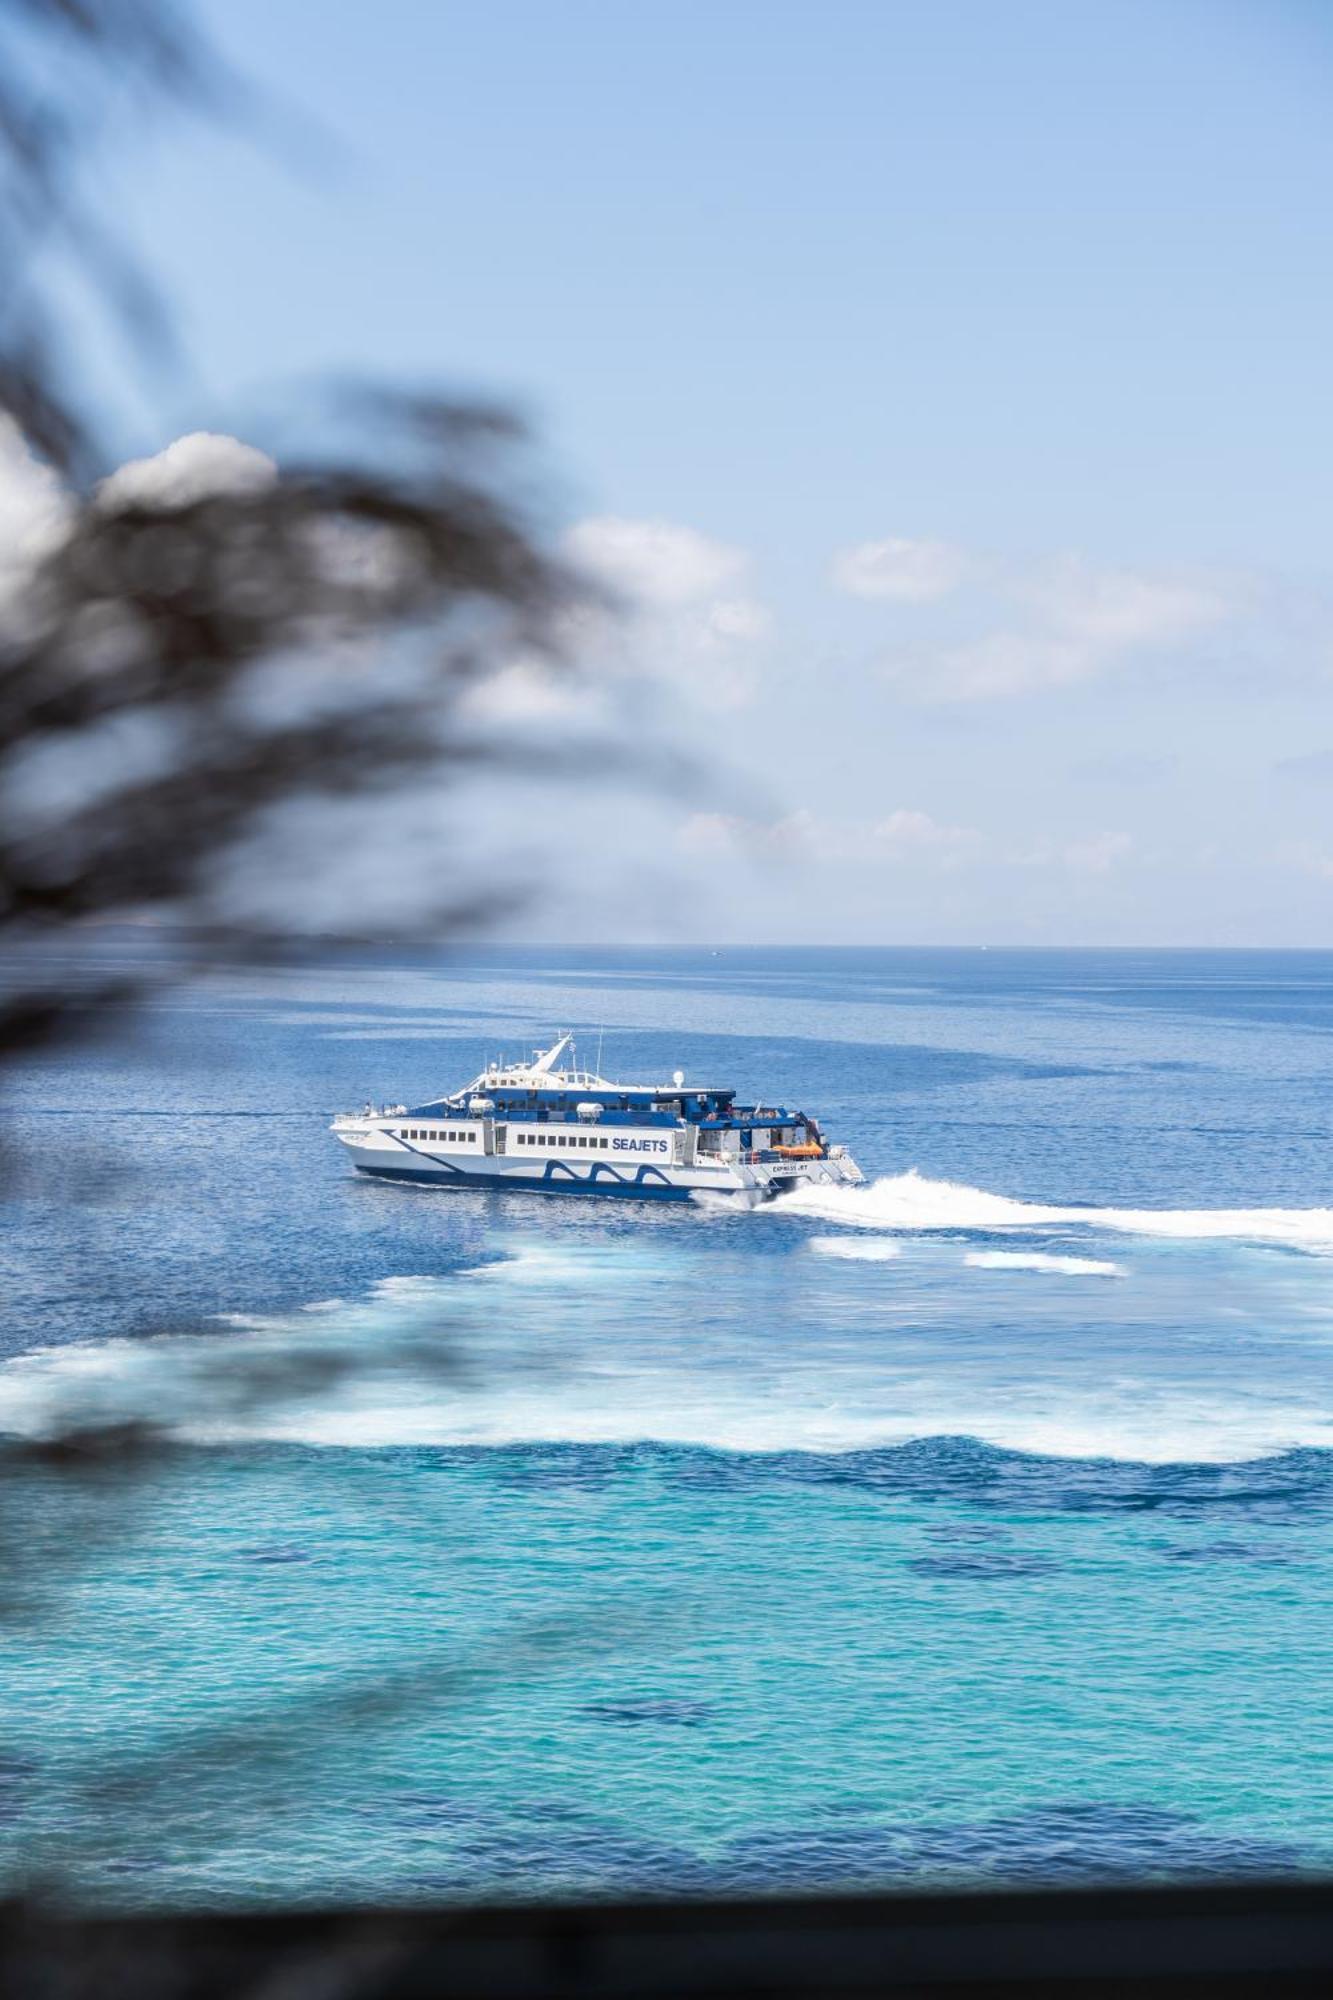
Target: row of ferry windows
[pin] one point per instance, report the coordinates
(583, 1139)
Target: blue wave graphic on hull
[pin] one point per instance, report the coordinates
(645, 1183)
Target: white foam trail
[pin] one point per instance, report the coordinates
(720, 1204)
(865, 1403)
(911, 1201)
(1038, 1260)
(856, 1247)
(523, 1351)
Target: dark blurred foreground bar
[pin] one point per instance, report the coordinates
(1219, 1940)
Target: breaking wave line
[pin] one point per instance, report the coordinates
(913, 1202)
(1040, 1260)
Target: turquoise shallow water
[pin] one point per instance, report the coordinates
(973, 1525)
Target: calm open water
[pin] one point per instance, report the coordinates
(971, 1525)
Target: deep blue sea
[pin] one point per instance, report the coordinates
(973, 1525)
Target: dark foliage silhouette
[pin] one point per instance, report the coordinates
(264, 638)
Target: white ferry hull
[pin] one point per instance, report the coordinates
(382, 1156)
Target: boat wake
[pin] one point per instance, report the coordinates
(680, 1336)
(1040, 1260)
(855, 1249)
(912, 1202)
(514, 1352)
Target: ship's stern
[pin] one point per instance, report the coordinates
(834, 1168)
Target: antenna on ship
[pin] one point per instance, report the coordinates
(600, 1033)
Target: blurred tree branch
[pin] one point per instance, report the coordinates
(191, 655)
(65, 66)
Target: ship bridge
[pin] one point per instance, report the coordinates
(541, 1091)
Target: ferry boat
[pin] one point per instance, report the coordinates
(534, 1127)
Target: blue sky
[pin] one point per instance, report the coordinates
(951, 381)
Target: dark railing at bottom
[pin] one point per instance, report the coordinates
(1219, 1940)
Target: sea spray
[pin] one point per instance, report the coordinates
(912, 1201)
(1042, 1262)
(855, 1249)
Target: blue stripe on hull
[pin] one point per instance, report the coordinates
(636, 1190)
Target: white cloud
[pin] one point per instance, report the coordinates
(735, 618)
(525, 691)
(712, 652)
(903, 571)
(707, 834)
(35, 513)
(653, 562)
(36, 510)
(1112, 609)
(905, 835)
(902, 836)
(908, 832)
(195, 467)
(1076, 622)
(1093, 854)
(1000, 663)
(693, 625)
